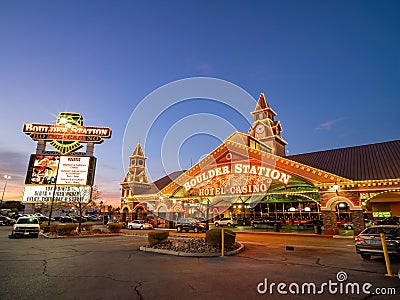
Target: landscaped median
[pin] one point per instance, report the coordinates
(63, 230)
(159, 242)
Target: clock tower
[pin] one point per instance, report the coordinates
(265, 129)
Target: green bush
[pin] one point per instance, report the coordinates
(66, 229)
(214, 237)
(87, 226)
(157, 237)
(115, 227)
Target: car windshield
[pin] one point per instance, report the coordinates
(28, 221)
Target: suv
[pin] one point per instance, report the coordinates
(26, 226)
(369, 242)
(189, 224)
(226, 222)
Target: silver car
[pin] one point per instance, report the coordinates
(139, 224)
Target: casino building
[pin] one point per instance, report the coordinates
(250, 176)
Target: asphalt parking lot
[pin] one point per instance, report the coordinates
(114, 268)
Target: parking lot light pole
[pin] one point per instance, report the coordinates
(6, 177)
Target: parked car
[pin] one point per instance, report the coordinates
(348, 226)
(189, 224)
(265, 221)
(368, 242)
(26, 226)
(6, 221)
(139, 224)
(389, 221)
(244, 221)
(92, 218)
(226, 222)
(311, 223)
(44, 219)
(67, 220)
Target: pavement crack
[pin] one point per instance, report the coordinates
(45, 268)
(318, 262)
(136, 288)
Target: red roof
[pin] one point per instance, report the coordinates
(367, 162)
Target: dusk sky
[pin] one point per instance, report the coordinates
(330, 69)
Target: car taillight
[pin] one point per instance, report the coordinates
(359, 239)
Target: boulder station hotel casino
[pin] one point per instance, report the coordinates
(250, 176)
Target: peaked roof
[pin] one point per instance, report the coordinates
(262, 104)
(368, 162)
(138, 151)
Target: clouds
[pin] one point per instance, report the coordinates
(328, 125)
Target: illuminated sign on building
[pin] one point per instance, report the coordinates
(238, 168)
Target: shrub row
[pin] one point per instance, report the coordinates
(214, 237)
(157, 237)
(115, 227)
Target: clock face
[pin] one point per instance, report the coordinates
(260, 128)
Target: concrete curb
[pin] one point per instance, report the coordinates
(181, 253)
(80, 236)
(286, 234)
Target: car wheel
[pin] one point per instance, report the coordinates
(141, 227)
(229, 224)
(365, 256)
(179, 228)
(216, 224)
(196, 229)
(130, 227)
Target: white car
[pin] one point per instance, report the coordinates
(139, 224)
(226, 222)
(26, 226)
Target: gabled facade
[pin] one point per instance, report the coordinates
(248, 175)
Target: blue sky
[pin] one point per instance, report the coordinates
(330, 69)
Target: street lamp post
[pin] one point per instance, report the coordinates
(102, 215)
(6, 177)
(63, 121)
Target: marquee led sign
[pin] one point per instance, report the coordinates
(68, 133)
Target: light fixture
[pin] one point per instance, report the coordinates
(335, 187)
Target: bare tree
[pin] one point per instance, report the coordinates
(81, 198)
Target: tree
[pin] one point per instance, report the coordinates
(81, 198)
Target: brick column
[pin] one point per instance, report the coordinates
(330, 225)
(358, 221)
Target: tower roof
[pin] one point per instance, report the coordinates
(262, 104)
(138, 151)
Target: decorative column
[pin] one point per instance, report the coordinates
(330, 225)
(358, 221)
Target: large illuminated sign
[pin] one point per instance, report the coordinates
(68, 133)
(64, 193)
(72, 170)
(238, 168)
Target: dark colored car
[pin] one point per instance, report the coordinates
(244, 221)
(189, 224)
(266, 221)
(369, 243)
(67, 220)
(389, 221)
(310, 224)
(6, 221)
(44, 219)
